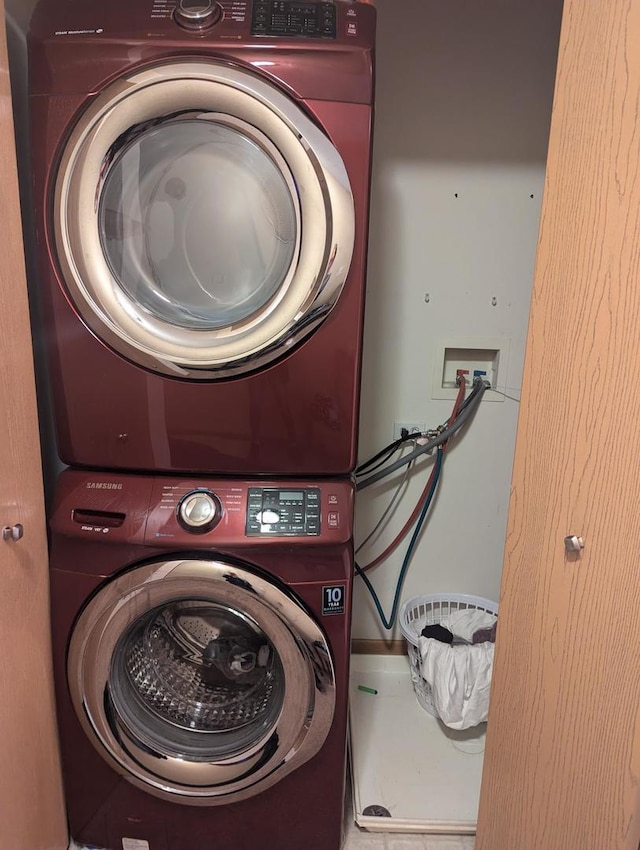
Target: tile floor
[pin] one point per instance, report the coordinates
(359, 840)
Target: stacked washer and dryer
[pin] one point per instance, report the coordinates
(201, 181)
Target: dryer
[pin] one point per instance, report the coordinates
(201, 184)
(201, 646)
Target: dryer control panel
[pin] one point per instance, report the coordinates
(293, 18)
(276, 511)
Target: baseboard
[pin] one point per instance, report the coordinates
(363, 646)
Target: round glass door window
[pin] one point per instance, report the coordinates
(197, 222)
(197, 680)
(203, 223)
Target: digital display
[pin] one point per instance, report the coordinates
(292, 495)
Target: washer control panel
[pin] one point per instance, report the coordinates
(292, 18)
(274, 511)
(199, 513)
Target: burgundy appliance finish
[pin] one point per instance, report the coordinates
(298, 416)
(304, 809)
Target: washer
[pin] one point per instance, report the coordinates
(201, 646)
(201, 184)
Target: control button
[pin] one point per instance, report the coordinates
(267, 517)
(333, 519)
(333, 499)
(199, 511)
(313, 527)
(197, 15)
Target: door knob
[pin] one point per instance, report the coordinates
(13, 532)
(573, 543)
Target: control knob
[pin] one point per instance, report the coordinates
(199, 511)
(197, 15)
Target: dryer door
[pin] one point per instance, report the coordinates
(201, 681)
(203, 224)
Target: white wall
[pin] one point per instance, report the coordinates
(464, 93)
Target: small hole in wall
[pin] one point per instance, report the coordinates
(455, 194)
(531, 196)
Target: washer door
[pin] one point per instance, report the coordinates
(203, 224)
(201, 681)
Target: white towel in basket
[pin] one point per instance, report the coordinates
(459, 677)
(466, 622)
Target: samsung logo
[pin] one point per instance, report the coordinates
(103, 485)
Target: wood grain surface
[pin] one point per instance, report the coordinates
(32, 815)
(562, 764)
(370, 646)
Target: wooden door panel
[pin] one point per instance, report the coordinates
(562, 764)
(31, 805)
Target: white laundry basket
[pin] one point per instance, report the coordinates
(423, 611)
